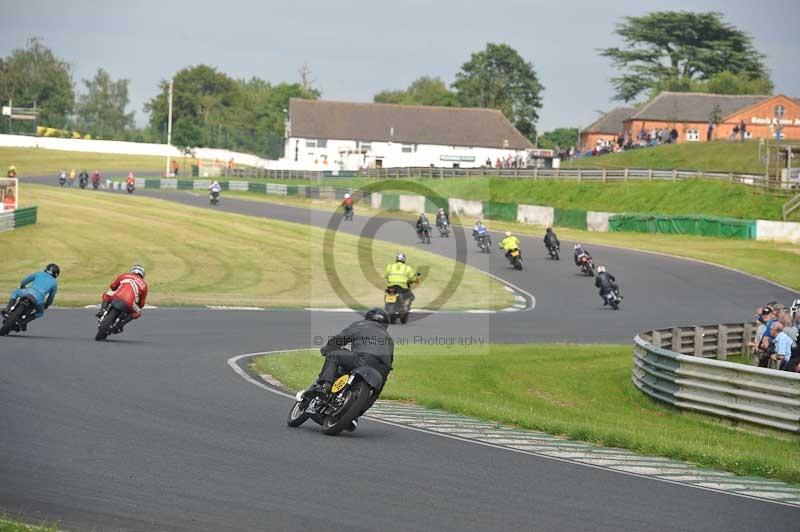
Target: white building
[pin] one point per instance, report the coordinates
(326, 135)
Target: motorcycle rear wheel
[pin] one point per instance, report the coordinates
(359, 395)
(104, 329)
(12, 320)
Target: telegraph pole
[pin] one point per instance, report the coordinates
(169, 125)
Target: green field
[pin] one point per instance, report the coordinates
(11, 525)
(720, 156)
(197, 256)
(580, 391)
(36, 162)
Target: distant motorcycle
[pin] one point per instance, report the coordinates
(62, 179)
(110, 321)
(613, 298)
(19, 314)
(484, 242)
(424, 233)
(95, 181)
(586, 266)
(444, 228)
(553, 251)
(130, 187)
(83, 180)
(213, 197)
(515, 258)
(348, 213)
(396, 305)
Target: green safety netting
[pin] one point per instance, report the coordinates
(575, 219)
(152, 183)
(494, 210)
(257, 187)
(684, 224)
(291, 190)
(435, 203)
(390, 202)
(185, 185)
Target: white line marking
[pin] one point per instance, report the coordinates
(226, 307)
(233, 363)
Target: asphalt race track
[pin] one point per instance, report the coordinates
(153, 431)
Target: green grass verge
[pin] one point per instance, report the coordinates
(196, 256)
(778, 262)
(580, 391)
(11, 525)
(35, 161)
(717, 156)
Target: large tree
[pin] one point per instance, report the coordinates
(422, 91)
(499, 78)
(101, 109)
(34, 77)
(668, 49)
(562, 137)
(203, 100)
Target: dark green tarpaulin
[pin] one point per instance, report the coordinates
(493, 210)
(569, 218)
(684, 225)
(185, 185)
(390, 202)
(257, 187)
(152, 183)
(436, 203)
(24, 216)
(291, 190)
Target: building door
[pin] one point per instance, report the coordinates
(378, 162)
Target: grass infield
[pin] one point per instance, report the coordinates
(197, 256)
(580, 391)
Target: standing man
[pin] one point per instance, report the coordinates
(175, 167)
(710, 131)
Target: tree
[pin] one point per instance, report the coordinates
(101, 110)
(203, 98)
(727, 82)
(499, 78)
(422, 91)
(670, 50)
(35, 77)
(562, 137)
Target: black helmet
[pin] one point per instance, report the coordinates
(377, 314)
(53, 270)
(549, 229)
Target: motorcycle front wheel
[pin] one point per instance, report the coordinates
(298, 415)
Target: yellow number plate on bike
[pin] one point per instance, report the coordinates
(515, 253)
(340, 383)
(391, 298)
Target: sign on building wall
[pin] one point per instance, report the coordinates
(458, 158)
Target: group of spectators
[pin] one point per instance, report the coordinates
(510, 161)
(775, 341)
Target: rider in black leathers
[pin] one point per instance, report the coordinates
(550, 239)
(605, 282)
(422, 222)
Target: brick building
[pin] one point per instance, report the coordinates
(689, 114)
(607, 128)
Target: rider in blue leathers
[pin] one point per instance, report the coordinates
(42, 286)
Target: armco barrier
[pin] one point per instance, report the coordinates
(673, 366)
(6, 221)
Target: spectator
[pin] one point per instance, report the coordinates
(734, 133)
(9, 201)
(498, 164)
(175, 168)
(742, 130)
(784, 341)
(673, 136)
(488, 162)
(710, 131)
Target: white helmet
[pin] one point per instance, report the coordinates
(577, 246)
(400, 257)
(347, 195)
(508, 233)
(601, 269)
(137, 270)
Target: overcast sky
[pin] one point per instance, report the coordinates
(357, 48)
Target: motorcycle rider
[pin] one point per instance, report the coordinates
(422, 223)
(72, 176)
(580, 253)
(12, 171)
(42, 286)
(215, 187)
(550, 239)
(347, 203)
(130, 180)
(370, 345)
(401, 276)
(441, 217)
(83, 178)
(509, 243)
(606, 283)
(130, 288)
(62, 177)
(96, 178)
(481, 230)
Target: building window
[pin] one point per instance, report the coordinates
(316, 143)
(365, 146)
(692, 135)
(408, 148)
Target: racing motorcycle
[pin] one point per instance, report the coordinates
(444, 228)
(396, 305)
(213, 197)
(110, 321)
(613, 298)
(348, 213)
(553, 251)
(19, 314)
(62, 179)
(96, 181)
(515, 258)
(130, 187)
(484, 242)
(83, 180)
(424, 233)
(586, 265)
(352, 393)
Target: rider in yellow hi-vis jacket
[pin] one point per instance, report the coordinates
(401, 275)
(509, 243)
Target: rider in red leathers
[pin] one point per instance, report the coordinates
(131, 289)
